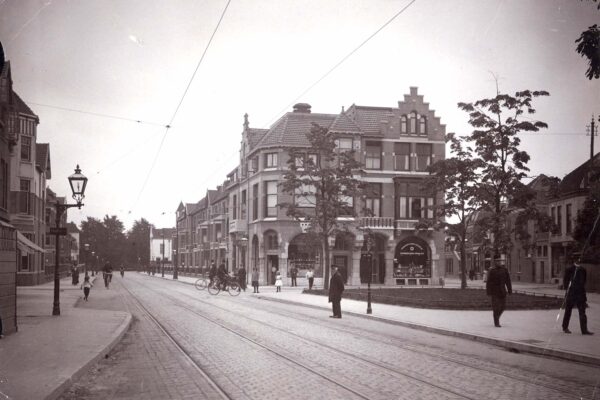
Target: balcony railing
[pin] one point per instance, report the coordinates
(377, 222)
(405, 224)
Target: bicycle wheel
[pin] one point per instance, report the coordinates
(215, 288)
(233, 288)
(201, 284)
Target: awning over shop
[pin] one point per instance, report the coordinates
(27, 245)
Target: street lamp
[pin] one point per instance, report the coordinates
(78, 182)
(162, 258)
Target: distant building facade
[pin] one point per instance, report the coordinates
(395, 145)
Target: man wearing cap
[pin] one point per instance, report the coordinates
(575, 296)
(497, 286)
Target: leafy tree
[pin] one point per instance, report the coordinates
(322, 190)
(138, 243)
(457, 177)
(588, 46)
(497, 122)
(106, 238)
(587, 227)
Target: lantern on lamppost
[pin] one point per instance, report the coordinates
(78, 182)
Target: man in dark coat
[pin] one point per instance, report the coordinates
(294, 274)
(212, 272)
(336, 287)
(575, 296)
(497, 286)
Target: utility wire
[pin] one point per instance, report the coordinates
(277, 116)
(179, 105)
(139, 121)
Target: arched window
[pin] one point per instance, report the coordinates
(422, 126)
(403, 124)
(413, 122)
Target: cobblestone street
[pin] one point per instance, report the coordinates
(254, 349)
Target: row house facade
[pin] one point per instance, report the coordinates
(395, 146)
(30, 168)
(8, 234)
(201, 233)
(547, 253)
(67, 244)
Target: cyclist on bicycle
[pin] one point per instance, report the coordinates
(222, 275)
(212, 272)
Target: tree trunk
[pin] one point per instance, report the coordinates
(463, 264)
(325, 263)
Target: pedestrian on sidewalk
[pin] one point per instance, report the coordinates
(497, 286)
(278, 281)
(122, 271)
(294, 274)
(336, 287)
(87, 286)
(310, 275)
(242, 277)
(575, 296)
(255, 280)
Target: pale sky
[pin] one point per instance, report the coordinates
(134, 59)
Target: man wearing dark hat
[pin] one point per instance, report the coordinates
(575, 296)
(497, 286)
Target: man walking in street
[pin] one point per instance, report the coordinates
(310, 275)
(497, 286)
(336, 287)
(575, 296)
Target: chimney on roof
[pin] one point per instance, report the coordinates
(302, 108)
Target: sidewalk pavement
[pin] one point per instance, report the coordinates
(533, 331)
(48, 352)
(41, 360)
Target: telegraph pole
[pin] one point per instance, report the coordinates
(592, 131)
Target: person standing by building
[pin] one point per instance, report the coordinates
(87, 286)
(310, 275)
(122, 271)
(255, 279)
(336, 288)
(497, 286)
(575, 296)
(294, 275)
(278, 282)
(242, 277)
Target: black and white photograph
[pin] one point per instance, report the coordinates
(299, 199)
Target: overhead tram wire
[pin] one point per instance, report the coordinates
(139, 121)
(332, 69)
(347, 56)
(168, 126)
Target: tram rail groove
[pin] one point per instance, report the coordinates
(389, 370)
(213, 384)
(490, 370)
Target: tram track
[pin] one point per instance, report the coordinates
(392, 370)
(219, 391)
(533, 381)
(333, 380)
